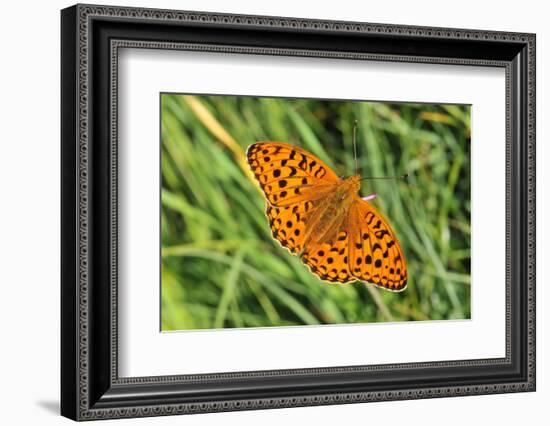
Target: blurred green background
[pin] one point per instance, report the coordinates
(220, 265)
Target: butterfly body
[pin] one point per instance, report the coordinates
(331, 211)
(321, 218)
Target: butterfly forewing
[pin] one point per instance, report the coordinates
(375, 255)
(288, 174)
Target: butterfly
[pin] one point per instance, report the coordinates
(321, 218)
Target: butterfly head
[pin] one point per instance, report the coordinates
(349, 187)
(353, 184)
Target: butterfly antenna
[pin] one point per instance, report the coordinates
(355, 144)
(405, 176)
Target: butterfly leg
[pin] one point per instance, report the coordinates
(370, 197)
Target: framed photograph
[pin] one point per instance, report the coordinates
(263, 212)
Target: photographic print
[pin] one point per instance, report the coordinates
(292, 212)
(370, 186)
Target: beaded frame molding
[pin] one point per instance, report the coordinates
(91, 38)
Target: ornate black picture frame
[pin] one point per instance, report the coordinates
(91, 36)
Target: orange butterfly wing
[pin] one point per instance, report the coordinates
(288, 174)
(330, 260)
(288, 224)
(293, 181)
(374, 252)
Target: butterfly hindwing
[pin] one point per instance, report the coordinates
(288, 224)
(330, 260)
